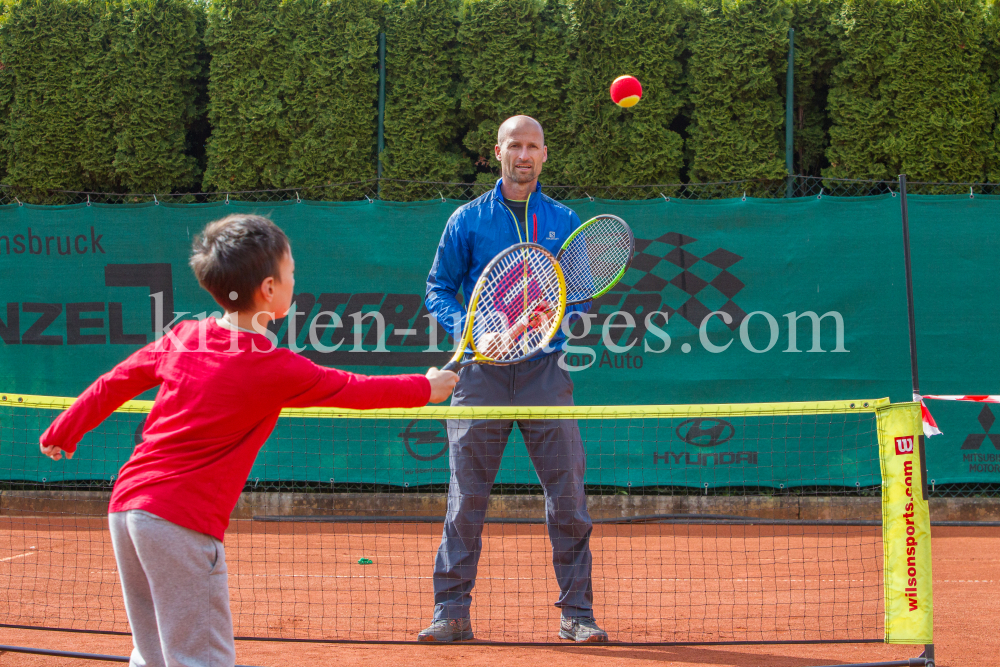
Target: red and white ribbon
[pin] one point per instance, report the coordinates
(974, 399)
(930, 426)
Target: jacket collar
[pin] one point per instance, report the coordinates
(533, 200)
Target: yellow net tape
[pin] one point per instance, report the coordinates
(576, 412)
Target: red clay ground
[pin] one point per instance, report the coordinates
(651, 581)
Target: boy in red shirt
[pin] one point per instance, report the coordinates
(222, 385)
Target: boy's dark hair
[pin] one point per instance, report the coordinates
(236, 254)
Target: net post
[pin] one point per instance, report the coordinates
(909, 286)
(928, 655)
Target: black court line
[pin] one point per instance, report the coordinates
(68, 654)
(565, 643)
(712, 519)
(912, 662)
(477, 642)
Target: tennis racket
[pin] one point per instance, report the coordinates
(595, 257)
(516, 308)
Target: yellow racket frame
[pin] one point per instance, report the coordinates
(457, 361)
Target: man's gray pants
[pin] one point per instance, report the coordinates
(474, 453)
(176, 590)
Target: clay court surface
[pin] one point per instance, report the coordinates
(653, 582)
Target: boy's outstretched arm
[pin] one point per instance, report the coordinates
(122, 383)
(314, 386)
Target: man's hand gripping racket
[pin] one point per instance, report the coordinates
(515, 310)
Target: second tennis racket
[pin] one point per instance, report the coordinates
(595, 257)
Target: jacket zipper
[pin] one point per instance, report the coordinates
(517, 225)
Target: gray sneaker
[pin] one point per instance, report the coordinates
(448, 630)
(581, 630)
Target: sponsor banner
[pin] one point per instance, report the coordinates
(726, 301)
(777, 448)
(906, 527)
(702, 452)
(954, 248)
(968, 452)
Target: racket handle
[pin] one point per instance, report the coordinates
(452, 366)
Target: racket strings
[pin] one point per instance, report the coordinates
(595, 258)
(507, 325)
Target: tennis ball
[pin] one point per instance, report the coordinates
(626, 91)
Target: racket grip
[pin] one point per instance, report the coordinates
(452, 366)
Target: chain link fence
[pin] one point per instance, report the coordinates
(404, 191)
(412, 190)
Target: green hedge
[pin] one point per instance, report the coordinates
(179, 95)
(737, 65)
(154, 95)
(515, 59)
(6, 97)
(860, 100)
(991, 67)
(608, 145)
(245, 150)
(422, 127)
(910, 93)
(291, 92)
(815, 50)
(940, 95)
(101, 94)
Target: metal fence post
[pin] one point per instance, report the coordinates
(381, 108)
(790, 111)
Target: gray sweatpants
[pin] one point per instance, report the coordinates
(176, 592)
(475, 450)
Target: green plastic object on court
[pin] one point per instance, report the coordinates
(365, 561)
(595, 257)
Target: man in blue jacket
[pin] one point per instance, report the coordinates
(514, 211)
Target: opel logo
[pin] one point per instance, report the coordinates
(705, 432)
(423, 432)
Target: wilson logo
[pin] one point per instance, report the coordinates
(904, 445)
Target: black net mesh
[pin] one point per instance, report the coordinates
(322, 562)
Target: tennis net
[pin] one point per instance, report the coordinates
(711, 523)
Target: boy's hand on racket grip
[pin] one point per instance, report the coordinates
(541, 315)
(54, 452)
(442, 382)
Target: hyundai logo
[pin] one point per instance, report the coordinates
(703, 432)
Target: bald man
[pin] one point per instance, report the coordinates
(514, 211)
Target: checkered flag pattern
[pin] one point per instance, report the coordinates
(692, 286)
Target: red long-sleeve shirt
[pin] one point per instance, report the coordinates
(218, 401)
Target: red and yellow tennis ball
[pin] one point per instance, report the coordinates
(626, 91)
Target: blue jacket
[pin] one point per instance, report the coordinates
(475, 234)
